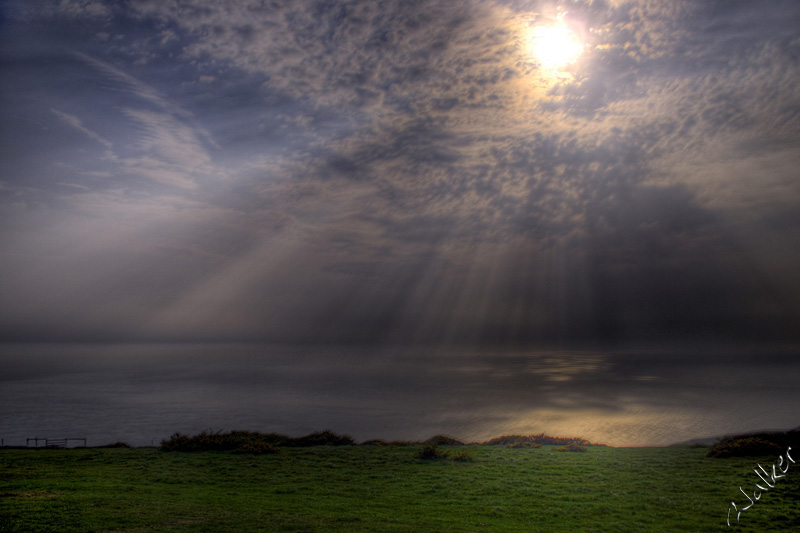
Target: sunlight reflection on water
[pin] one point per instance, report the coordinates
(143, 393)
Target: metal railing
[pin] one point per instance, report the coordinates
(53, 443)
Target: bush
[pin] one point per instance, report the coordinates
(177, 442)
(431, 451)
(523, 444)
(256, 448)
(118, 444)
(375, 442)
(444, 440)
(519, 441)
(507, 440)
(571, 447)
(217, 441)
(211, 441)
(322, 438)
(755, 444)
(744, 447)
(462, 457)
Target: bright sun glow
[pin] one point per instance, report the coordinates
(555, 46)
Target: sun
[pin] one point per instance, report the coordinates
(555, 46)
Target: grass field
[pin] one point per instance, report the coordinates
(379, 488)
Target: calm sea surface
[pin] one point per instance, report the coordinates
(141, 394)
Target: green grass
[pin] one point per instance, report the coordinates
(377, 488)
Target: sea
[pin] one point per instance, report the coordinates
(142, 393)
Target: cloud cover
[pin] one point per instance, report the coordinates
(399, 172)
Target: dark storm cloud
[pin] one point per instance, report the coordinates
(363, 171)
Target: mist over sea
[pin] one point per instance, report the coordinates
(142, 393)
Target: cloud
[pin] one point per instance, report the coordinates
(83, 8)
(76, 123)
(325, 171)
(173, 154)
(136, 87)
(169, 147)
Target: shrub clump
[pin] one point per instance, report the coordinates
(521, 442)
(430, 451)
(744, 447)
(215, 441)
(443, 440)
(236, 440)
(462, 457)
(177, 442)
(322, 438)
(256, 448)
(375, 442)
(381, 442)
(529, 441)
(571, 447)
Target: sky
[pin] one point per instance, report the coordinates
(400, 172)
